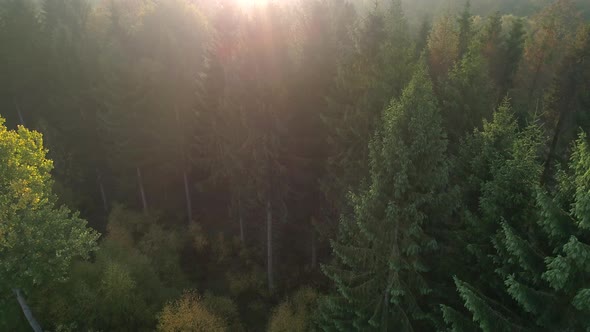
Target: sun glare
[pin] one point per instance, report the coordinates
(251, 3)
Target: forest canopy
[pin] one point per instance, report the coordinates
(294, 165)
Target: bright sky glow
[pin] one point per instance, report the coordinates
(246, 4)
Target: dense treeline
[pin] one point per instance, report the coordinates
(294, 165)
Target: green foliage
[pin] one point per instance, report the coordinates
(379, 271)
(542, 264)
(295, 313)
(467, 95)
(443, 47)
(365, 82)
(189, 314)
(134, 273)
(38, 240)
(221, 113)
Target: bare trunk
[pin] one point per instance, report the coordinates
(314, 257)
(187, 193)
(103, 195)
(241, 220)
(20, 114)
(142, 191)
(27, 311)
(269, 245)
(552, 148)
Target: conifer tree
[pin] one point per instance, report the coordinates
(377, 70)
(379, 271)
(566, 102)
(443, 47)
(542, 263)
(467, 96)
(511, 55)
(501, 179)
(465, 29)
(553, 28)
(491, 40)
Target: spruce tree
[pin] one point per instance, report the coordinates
(467, 97)
(365, 81)
(554, 28)
(379, 271)
(511, 55)
(499, 171)
(491, 40)
(542, 261)
(566, 102)
(443, 48)
(465, 29)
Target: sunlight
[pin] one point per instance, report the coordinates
(251, 3)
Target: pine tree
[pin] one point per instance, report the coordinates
(379, 270)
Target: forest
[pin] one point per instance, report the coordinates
(294, 165)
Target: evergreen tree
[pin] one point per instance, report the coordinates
(491, 40)
(467, 96)
(379, 270)
(541, 263)
(553, 28)
(501, 182)
(512, 52)
(377, 70)
(566, 102)
(465, 29)
(443, 48)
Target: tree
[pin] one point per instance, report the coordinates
(20, 60)
(296, 313)
(501, 173)
(512, 53)
(39, 240)
(552, 30)
(566, 102)
(543, 265)
(492, 43)
(467, 96)
(379, 269)
(443, 47)
(465, 29)
(365, 82)
(189, 314)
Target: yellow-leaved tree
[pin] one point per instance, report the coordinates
(38, 238)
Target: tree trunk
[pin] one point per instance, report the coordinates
(27, 311)
(103, 195)
(187, 193)
(142, 191)
(269, 245)
(20, 114)
(241, 220)
(314, 255)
